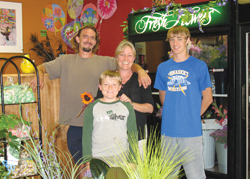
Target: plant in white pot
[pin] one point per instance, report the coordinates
(220, 137)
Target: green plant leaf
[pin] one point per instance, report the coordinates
(98, 168)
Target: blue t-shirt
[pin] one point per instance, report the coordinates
(183, 83)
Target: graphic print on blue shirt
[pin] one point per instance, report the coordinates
(177, 81)
(113, 116)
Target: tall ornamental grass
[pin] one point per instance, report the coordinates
(153, 162)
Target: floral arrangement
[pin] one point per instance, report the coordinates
(87, 98)
(159, 112)
(213, 56)
(220, 135)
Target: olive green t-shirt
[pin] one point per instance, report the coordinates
(77, 75)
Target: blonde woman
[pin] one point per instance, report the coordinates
(140, 97)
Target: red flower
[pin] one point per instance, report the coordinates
(222, 115)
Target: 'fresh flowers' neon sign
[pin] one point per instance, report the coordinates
(164, 20)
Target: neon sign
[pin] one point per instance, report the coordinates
(161, 21)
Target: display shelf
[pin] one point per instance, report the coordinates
(17, 107)
(220, 95)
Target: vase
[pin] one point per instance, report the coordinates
(26, 66)
(222, 157)
(208, 148)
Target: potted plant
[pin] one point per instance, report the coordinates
(220, 137)
(153, 163)
(7, 122)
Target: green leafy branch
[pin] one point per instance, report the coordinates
(125, 30)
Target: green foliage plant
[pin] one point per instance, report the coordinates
(125, 30)
(47, 157)
(98, 168)
(3, 172)
(9, 121)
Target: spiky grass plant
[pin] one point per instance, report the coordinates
(48, 158)
(153, 162)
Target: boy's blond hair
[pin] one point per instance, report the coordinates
(112, 74)
(178, 30)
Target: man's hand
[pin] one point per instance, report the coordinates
(33, 83)
(144, 79)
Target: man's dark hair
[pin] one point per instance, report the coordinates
(75, 44)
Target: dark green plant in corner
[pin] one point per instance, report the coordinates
(98, 168)
(7, 122)
(3, 172)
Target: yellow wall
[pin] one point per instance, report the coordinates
(31, 16)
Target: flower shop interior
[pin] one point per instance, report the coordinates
(220, 36)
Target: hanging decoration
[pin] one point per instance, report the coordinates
(106, 8)
(70, 30)
(53, 17)
(89, 15)
(74, 8)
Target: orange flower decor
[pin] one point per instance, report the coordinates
(87, 98)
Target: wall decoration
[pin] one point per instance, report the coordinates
(74, 8)
(11, 30)
(89, 15)
(70, 30)
(53, 17)
(106, 8)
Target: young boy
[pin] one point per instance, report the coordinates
(185, 92)
(108, 121)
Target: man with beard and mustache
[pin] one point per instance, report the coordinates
(79, 73)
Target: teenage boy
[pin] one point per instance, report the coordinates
(185, 93)
(108, 121)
